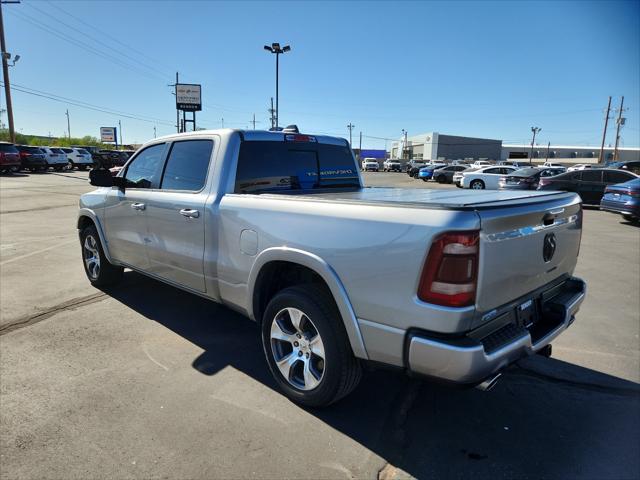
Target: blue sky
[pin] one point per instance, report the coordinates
(487, 69)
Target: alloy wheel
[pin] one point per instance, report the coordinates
(91, 256)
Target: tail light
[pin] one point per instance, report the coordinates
(24, 154)
(634, 192)
(450, 273)
(544, 181)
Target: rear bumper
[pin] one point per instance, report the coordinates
(619, 207)
(469, 361)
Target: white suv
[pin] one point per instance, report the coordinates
(56, 158)
(78, 157)
(392, 165)
(370, 165)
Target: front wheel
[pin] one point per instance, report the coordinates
(99, 270)
(307, 348)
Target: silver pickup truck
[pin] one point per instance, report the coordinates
(448, 284)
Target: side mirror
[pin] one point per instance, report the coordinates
(100, 178)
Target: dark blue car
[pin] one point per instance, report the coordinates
(623, 198)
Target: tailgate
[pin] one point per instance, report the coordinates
(524, 247)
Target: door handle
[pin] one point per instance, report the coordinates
(138, 206)
(189, 213)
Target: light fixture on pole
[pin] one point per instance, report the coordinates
(277, 50)
(535, 131)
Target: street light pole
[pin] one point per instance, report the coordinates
(535, 131)
(277, 50)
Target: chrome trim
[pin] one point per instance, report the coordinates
(525, 231)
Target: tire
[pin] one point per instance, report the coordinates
(106, 273)
(82, 167)
(71, 165)
(629, 218)
(441, 179)
(424, 179)
(327, 379)
(477, 185)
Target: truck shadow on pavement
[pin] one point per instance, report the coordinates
(545, 419)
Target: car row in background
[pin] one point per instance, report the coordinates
(528, 178)
(14, 158)
(590, 184)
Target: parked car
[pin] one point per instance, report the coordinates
(55, 157)
(485, 178)
(445, 174)
(510, 163)
(582, 166)
(589, 183)
(414, 166)
(631, 166)
(392, 165)
(9, 158)
(552, 164)
(32, 158)
(78, 158)
(457, 177)
(623, 198)
(527, 178)
(481, 163)
(370, 165)
(426, 173)
(300, 265)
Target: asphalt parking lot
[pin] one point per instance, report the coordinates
(146, 381)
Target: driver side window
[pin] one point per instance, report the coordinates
(144, 171)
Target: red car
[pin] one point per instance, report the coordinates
(9, 158)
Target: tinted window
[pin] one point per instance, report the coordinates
(493, 170)
(143, 171)
(616, 177)
(525, 172)
(57, 150)
(282, 166)
(591, 176)
(67, 150)
(8, 148)
(187, 165)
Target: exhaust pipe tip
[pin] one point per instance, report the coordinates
(488, 383)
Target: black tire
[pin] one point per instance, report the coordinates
(424, 179)
(441, 179)
(476, 185)
(82, 167)
(341, 372)
(107, 273)
(58, 168)
(71, 165)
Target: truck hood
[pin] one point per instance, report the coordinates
(443, 198)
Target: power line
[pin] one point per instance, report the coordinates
(63, 36)
(81, 104)
(97, 40)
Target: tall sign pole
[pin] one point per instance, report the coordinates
(5, 73)
(604, 133)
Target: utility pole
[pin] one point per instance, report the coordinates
(271, 114)
(535, 131)
(619, 123)
(604, 133)
(222, 122)
(120, 129)
(350, 127)
(68, 125)
(254, 121)
(175, 93)
(5, 73)
(154, 132)
(360, 147)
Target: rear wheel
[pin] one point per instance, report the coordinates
(307, 348)
(99, 270)
(477, 185)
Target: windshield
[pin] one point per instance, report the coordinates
(285, 166)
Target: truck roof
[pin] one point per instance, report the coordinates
(254, 135)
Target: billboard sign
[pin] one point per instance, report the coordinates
(188, 97)
(108, 135)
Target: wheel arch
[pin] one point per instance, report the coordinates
(86, 218)
(298, 262)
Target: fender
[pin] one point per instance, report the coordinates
(87, 212)
(327, 273)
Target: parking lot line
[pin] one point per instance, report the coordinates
(37, 252)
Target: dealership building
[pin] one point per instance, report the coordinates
(438, 146)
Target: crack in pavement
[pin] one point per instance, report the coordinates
(65, 306)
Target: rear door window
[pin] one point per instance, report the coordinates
(265, 166)
(187, 165)
(8, 148)
(591, 175)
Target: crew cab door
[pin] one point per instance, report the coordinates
(126, 210)
(176, 216)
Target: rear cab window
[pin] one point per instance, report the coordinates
(285, 166)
